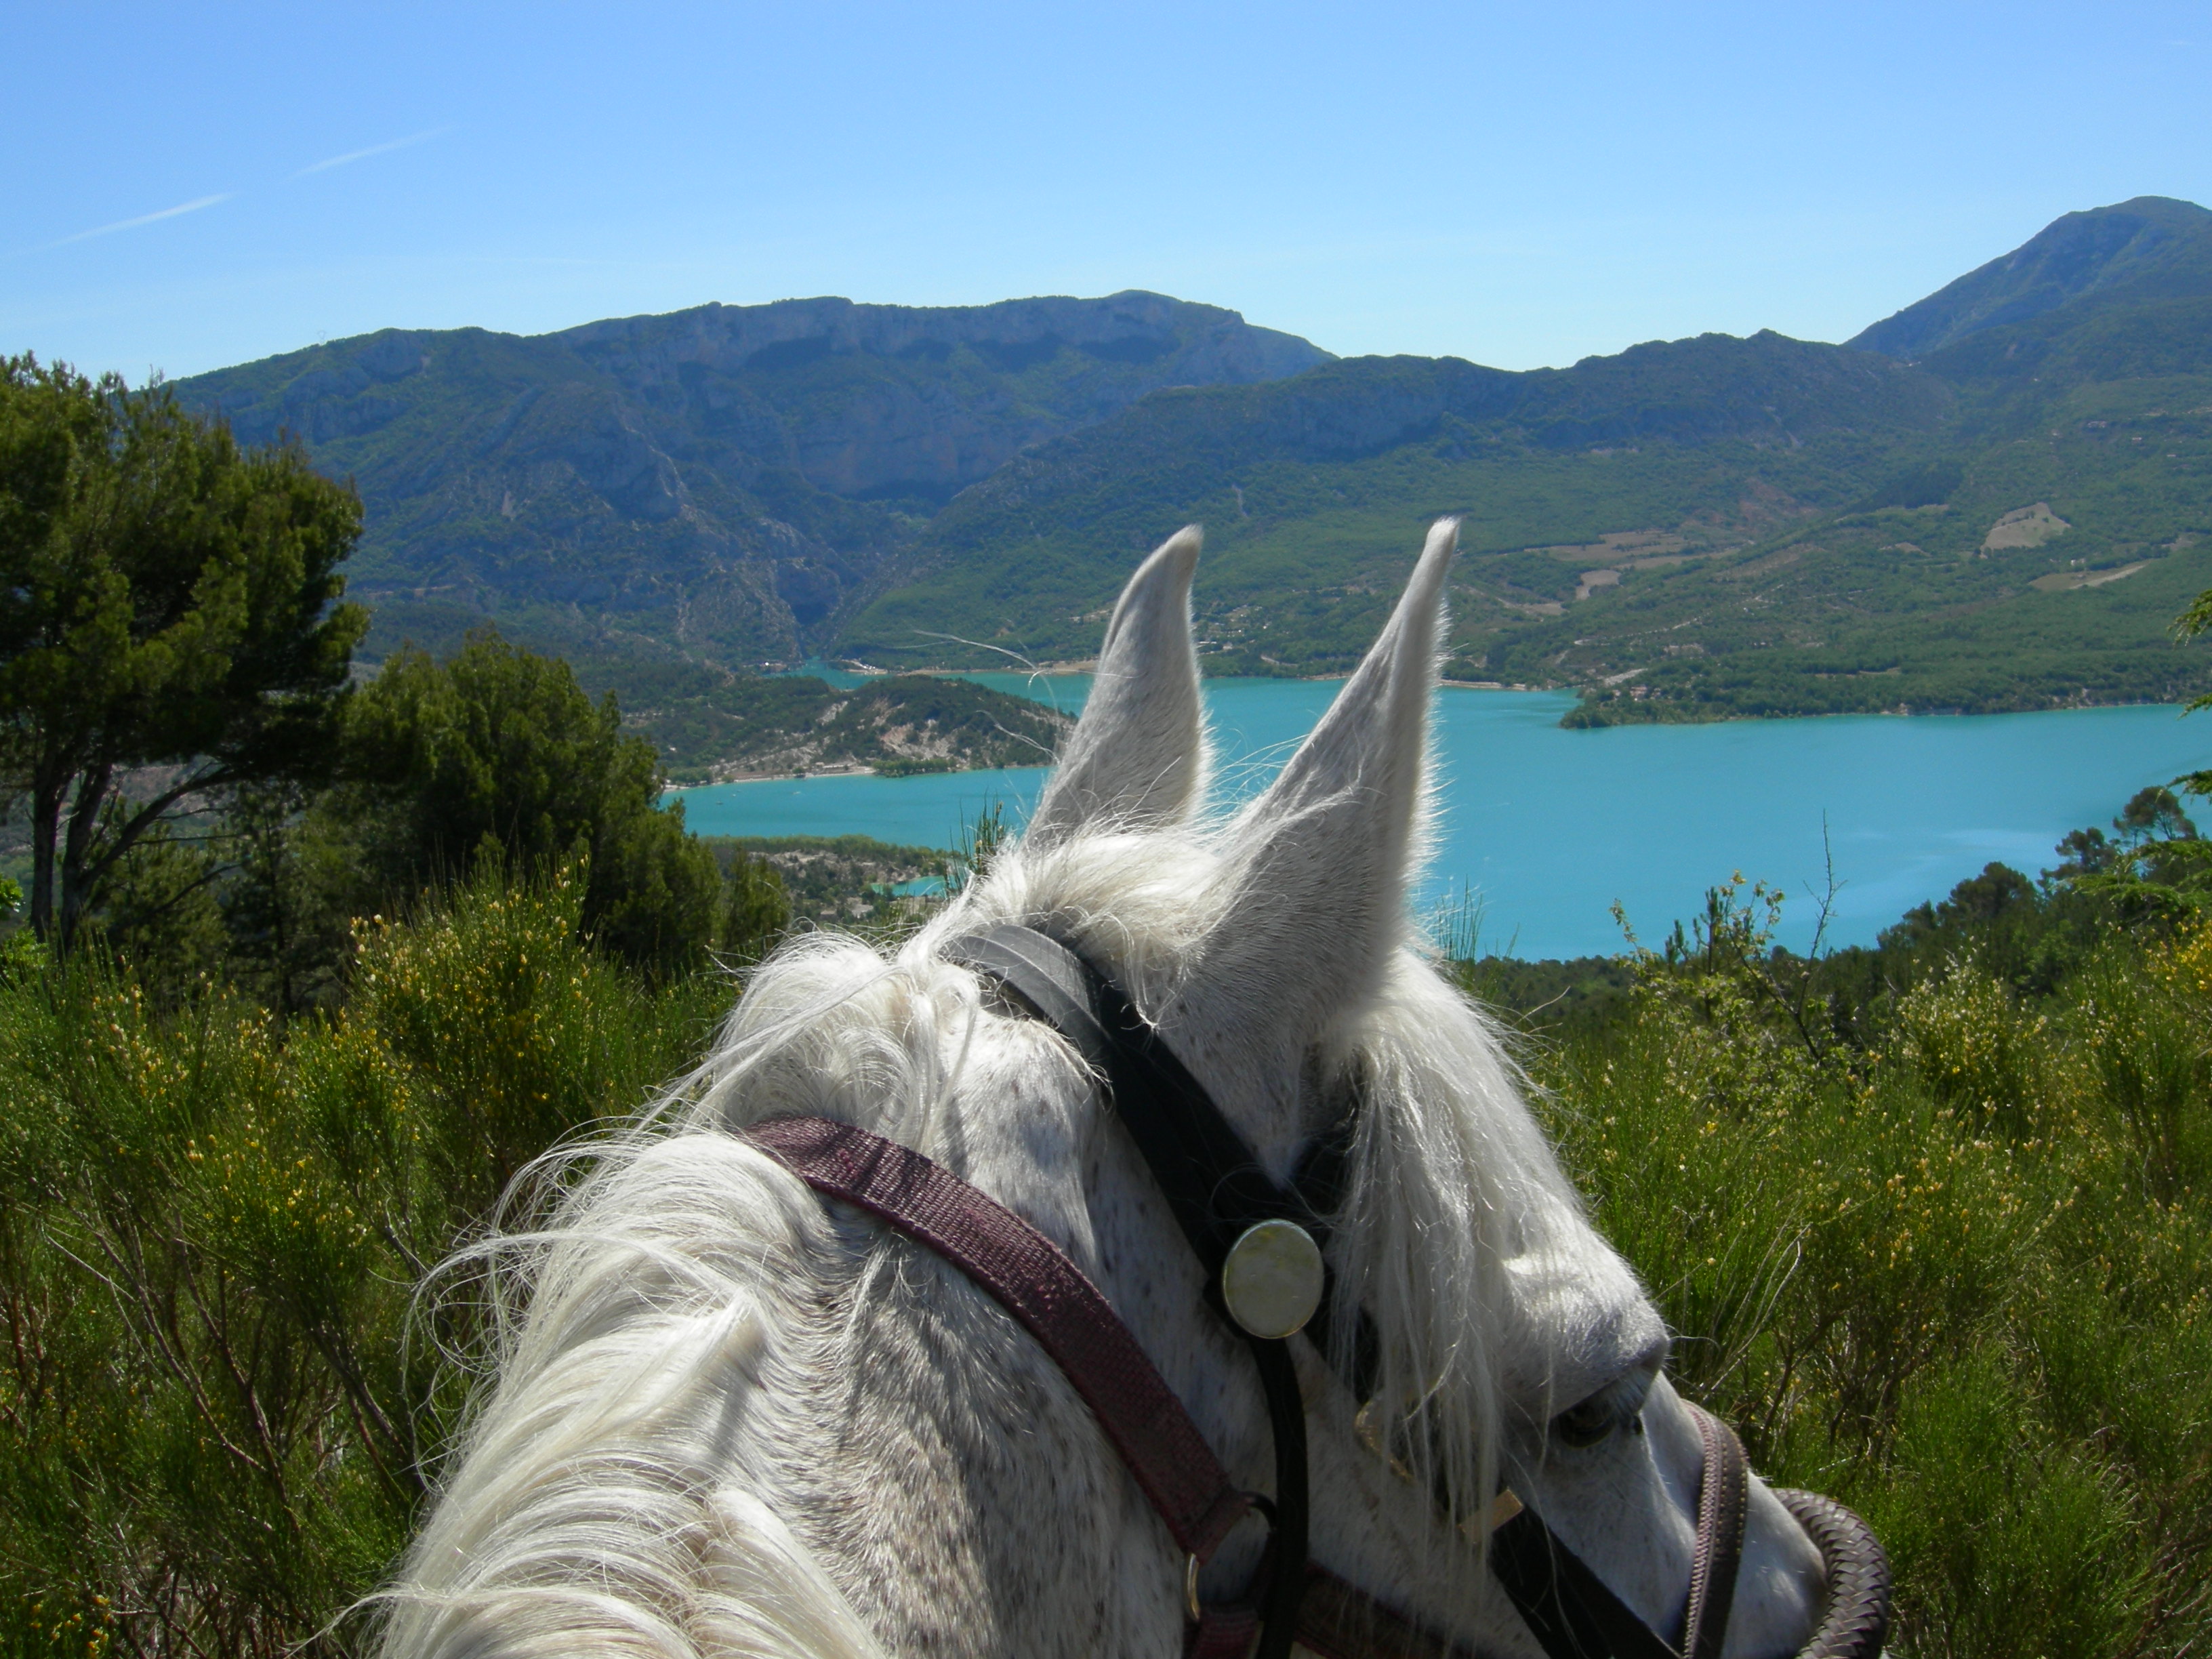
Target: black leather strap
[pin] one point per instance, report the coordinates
(1567, 1607)
(1212, 1181)
(1214, 1184)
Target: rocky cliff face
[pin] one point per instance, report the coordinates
(722, 480)
(881, 400)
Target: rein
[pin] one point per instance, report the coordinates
(1222, 1200)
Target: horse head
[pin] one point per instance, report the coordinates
(1517, 1351)
(738, 1419)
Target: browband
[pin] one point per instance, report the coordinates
(1032, 1278)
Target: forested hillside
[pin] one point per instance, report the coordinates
(709, 729)
(1992, 499)
(2035, 557)
(1700, 528)
(1313, 492)
(2151, 247)
(710, 486)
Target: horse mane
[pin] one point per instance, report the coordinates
(586, 1504)
(598, 1497)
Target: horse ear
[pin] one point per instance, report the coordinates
(1136, 758)
(1321, 859)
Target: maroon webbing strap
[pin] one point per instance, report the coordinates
(1031, 1278)
(1223, 1633)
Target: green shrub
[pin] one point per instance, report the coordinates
(160, 912)
(1971, 1049)
(212, 1426)
(2008, 1541)
(1960, 1277)
(1944, 1253)
(756, 909)
(497, 751)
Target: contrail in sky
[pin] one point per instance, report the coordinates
(373, 149)
(198, 203)
(193, 206)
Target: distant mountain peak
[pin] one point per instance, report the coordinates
(2150, 245)
(1133, 325)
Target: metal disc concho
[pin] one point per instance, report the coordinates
(1272, 1280)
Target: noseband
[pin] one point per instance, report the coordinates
(1220, 1195)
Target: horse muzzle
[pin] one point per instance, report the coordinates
(1574, 1614)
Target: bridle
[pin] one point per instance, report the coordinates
(1231, 1211)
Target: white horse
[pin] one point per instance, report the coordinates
(735, 1418)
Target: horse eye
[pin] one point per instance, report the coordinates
(1586, 1423)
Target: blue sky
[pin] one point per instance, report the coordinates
(1521, 185)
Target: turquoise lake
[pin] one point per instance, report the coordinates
(1546, 828)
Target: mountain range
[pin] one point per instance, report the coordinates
(1997, 498)
(715, 484)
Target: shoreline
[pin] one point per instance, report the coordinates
(1893, 713)
(1904, 714)
(675, 789)
(841, 772)
(771, 777)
